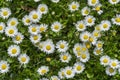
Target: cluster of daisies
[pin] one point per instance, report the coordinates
(67, 72)
(112, 65)
(10, 29)
(80, 50)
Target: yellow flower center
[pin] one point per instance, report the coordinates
(114, 0)
(85, 37)
(69, 72)
(117, 20)
(78, 53)
(43, 71)
(78, 48)
(84, 49)
(48, 47)
(97, 8)
(93, 1)
(86, 11)
(98, 51)
(62, 73)
(35, 37)
(18, 38)
(96, 34)
(42, 9)
(97, 28)
(1, 28)
(91, 39)
(35, 16)
(4, 66)
(83, 56)
(13, 23)
(81, 26)
(105, 25)
(99, 45)
(114, 64)
(23, 59)
(87, 45)
(42, 29)
(74, 6)
(111, 70)
(14, 51)
(56, 27)
(79, 68)
(5, 13)
(27, 20)
(11, 31)
(48, 59)
(105, 60)
(62, 46)
(34, 29)
(90, 20)
(65, 57)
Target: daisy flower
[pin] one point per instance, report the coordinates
(74, 6)
(42, 8)
(35, 16)
(4, 66)
(85, 56)
(23, 58)
(85, 11)
(43, 28)
(93, 2)
(114, 1)
(114, 63)
(87, 44)
(35, 38)
(79, 67)
(61, 73)
(69, 72)
(62, 46)
(43, 70)
(92, 39)
(18, 38)
(84, 36)
(105, 60)
(40, 46)
(12, 22)
(116, 20)
(80, 26)
(11, 31)
(2, 27)
(89, 20)
(98, 51)
(13, 50)
(98, 8)
(55, 1)
(96, 34)
(84, 48)
(77, 48)
(99, 44)
(33, 29)
(105, 25)
(97, 28)
(65, 57)
(56, 26)
(55, 78)
(5, 13)
(110, 71)
(26, 20)
(48, 46)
